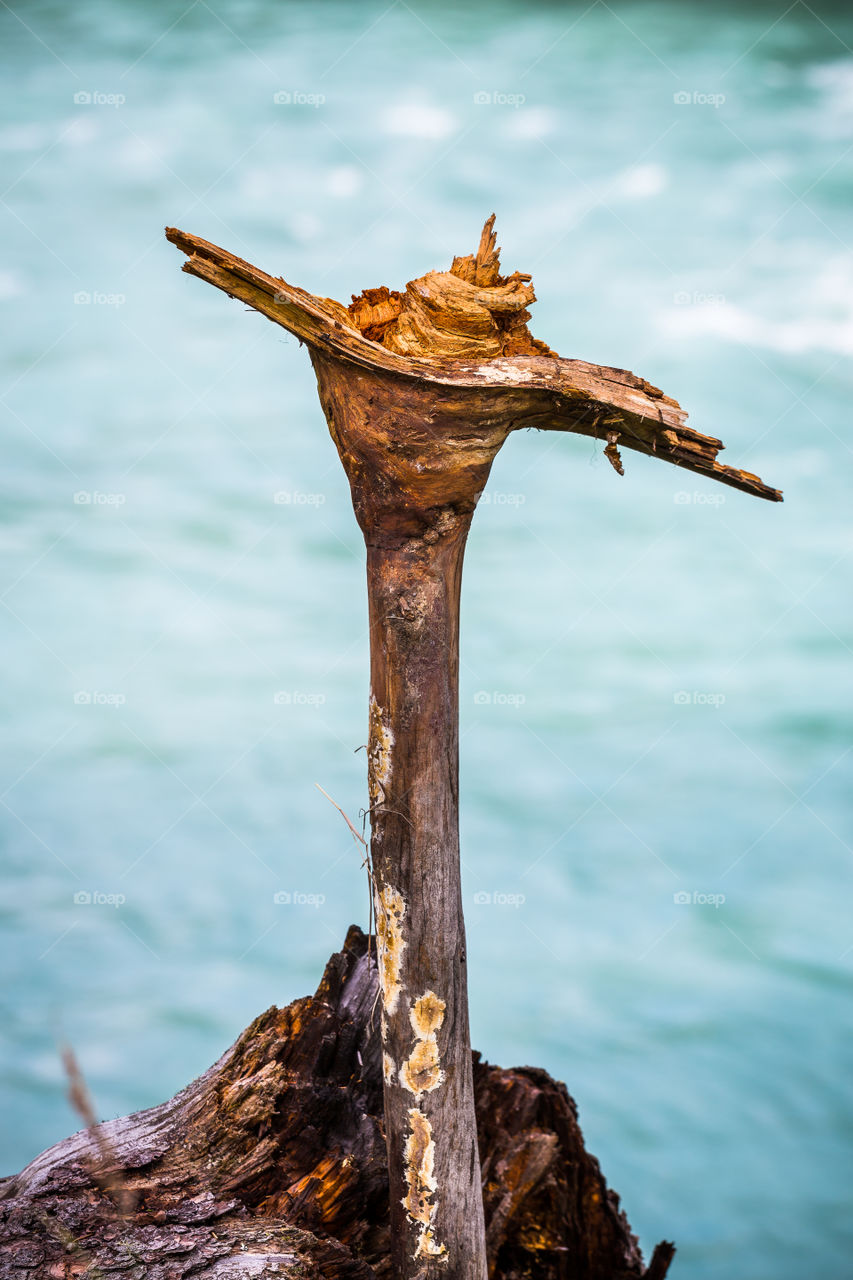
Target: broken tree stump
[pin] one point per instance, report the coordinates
(273, 1164)
(420, 390)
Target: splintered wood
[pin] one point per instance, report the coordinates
(420, 390)
(468, 312)
(466, 328)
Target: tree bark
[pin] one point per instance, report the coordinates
(436, 1202)
(272, 1164)
(417, 466)
(420, 390)
(527, 390)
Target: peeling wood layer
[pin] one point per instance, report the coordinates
(420, 390)
(379, 757)
(390, 913)
(297, 1103)
(420, 1199)
(470, 311)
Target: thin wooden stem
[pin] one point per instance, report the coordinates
(436, 1199)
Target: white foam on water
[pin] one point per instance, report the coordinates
(819, 317)
(23, 137)
(531, 122)
(343, 181)
(418, 120)
(641, 181)
(11, 285)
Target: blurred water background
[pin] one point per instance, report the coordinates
(655, 710)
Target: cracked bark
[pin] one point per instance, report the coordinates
(272, 1164)
(420, 390)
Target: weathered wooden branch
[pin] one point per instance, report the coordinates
(546, 392)
(272, 1164)
(420, 390)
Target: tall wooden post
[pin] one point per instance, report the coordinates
(414, 495)
(420, 390)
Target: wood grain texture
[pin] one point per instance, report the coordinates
(416, 467)
(420, 390)
(549, 393)
(272, 1164)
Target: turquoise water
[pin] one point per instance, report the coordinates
(655, 675)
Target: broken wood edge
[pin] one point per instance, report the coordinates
(275, 1158)
(552, 393)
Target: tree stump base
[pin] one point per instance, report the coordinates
(273, 1164)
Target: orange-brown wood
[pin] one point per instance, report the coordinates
(420, 390)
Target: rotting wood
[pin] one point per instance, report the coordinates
(550, 393)
(272, 1164)
(420, 390)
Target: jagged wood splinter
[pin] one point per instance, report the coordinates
(420, 391)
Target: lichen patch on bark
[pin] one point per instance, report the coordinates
(427, 1015)
(421, 1072)
(419, 1201)
(502, 371)
(390, 913)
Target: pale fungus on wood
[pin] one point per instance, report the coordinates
(274, 1163)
